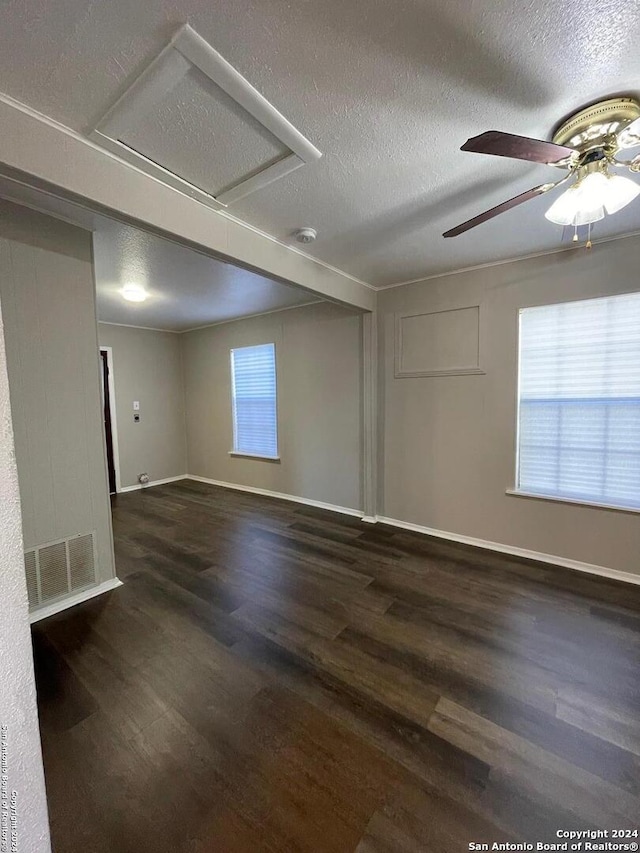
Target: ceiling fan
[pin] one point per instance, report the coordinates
(586, 146)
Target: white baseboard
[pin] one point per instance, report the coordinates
(514, 551)
(139, 486)
(577, 565)
(269, 494)
(72, 600)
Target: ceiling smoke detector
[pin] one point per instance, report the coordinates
(305, 235)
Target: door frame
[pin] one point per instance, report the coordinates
(114, 422)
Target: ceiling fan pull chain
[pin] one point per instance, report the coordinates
(575, 234)
(588, 246)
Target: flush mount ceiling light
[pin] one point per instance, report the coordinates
(586, 146)
(134, 293)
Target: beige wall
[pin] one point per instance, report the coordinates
(319, 366)
(17, 687)
(447, 448)
(147, 367)
(48, 304)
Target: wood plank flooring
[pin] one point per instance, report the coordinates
(274, 677)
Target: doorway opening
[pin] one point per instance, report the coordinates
(109, 416)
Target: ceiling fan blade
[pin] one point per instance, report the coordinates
(519, 147)
(498, 209)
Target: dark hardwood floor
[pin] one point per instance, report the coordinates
(273, 677)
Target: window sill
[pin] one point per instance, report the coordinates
(240, 455)
(559, 499)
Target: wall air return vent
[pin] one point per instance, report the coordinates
(32, 577)
(60, 568)
(193, 121)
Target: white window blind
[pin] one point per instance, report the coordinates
(579, 420)
(253, 385)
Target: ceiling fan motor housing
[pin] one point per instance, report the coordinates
(600, 126)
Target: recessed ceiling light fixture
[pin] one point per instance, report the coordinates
(134, 293)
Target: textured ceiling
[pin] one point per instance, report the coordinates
(186, 289)
(388, 91)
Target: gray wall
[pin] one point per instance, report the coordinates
(147, 367)
(17, 687)
(319, 365)
(447, 450)
(48, 304)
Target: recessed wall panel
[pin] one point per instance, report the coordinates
(440, 343)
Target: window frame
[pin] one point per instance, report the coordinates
(243, 454)
(515, 490)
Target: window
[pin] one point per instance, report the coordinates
(254, 401)
(579, 414)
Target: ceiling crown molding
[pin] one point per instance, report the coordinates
(558, 250)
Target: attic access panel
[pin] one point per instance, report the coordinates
(189, 98)
(189, 130)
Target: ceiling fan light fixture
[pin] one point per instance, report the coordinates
(563, 209)
(585, 145)
(593, 190)
(620, 192)
(591, 197)
(576, 207)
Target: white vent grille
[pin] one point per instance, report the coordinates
(81, 562)
(52, 565)
(60, 568)
(32, 577)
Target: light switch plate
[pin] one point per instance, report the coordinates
(136, 405)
